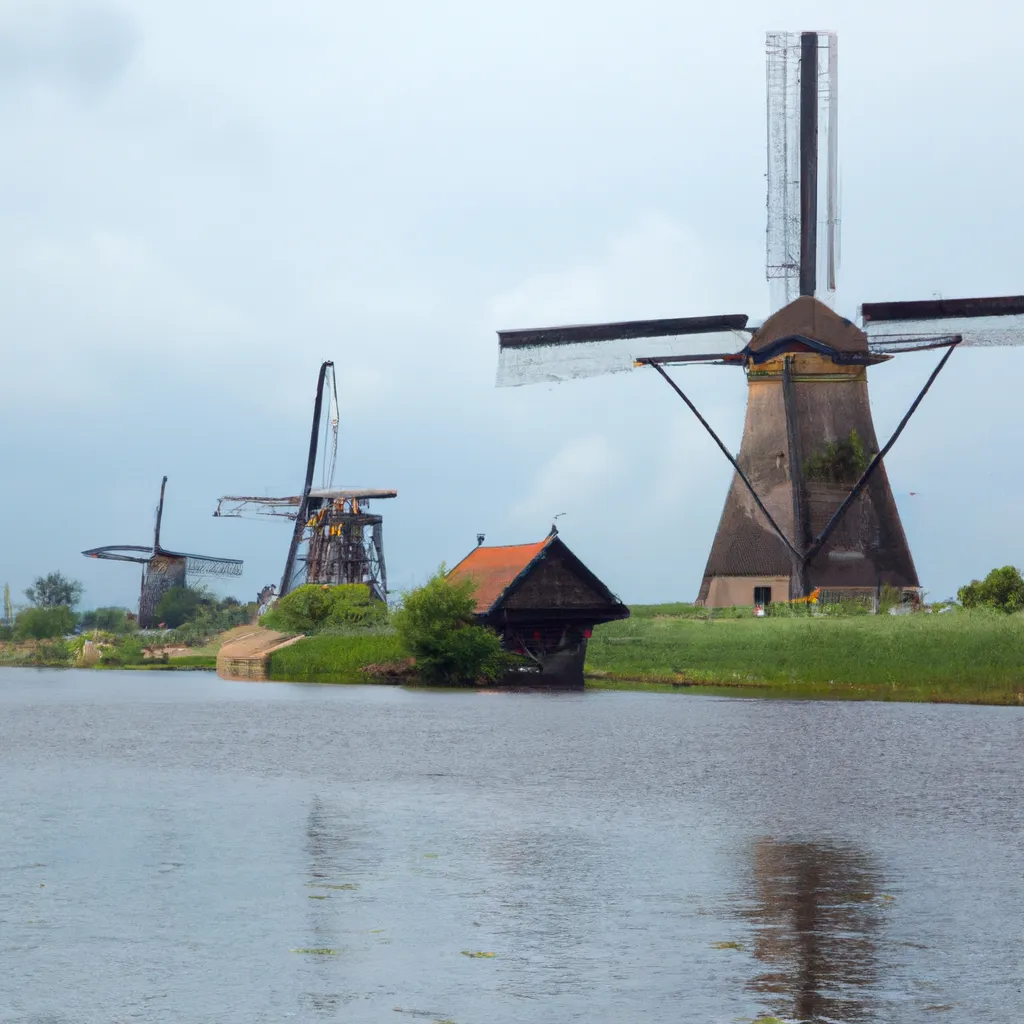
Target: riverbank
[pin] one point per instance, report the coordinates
(959, 657)
(964, 657)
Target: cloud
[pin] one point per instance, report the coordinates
(78, 46)
(653, 268)
(577, 478)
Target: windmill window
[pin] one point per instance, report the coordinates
(762, 596)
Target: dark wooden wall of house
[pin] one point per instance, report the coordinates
(554, 585)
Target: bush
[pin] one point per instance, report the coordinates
(52, 652)
(110, 620)
(127, 651)
(1002, 589)
(314, 607)
(837, 462)
(179, 605)
(44, 623)
(436, 625)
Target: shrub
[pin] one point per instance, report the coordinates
(837, 462)
(179, 605)
(110, 620)
(44, 623)
(127, 651)
(183, 607)
(436, 625)
(53, 652)
(1002, 589)
(314, 607)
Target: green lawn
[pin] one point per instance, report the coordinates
(334, 659)
(962, 656)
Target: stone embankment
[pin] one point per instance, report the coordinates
(246, 656)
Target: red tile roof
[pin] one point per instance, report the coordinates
(494, 568)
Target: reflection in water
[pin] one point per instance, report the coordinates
(817, 912)
(323, 844)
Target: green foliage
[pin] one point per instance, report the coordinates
(110, 620)
(54, 590)
(324, 658)
(42, 623)
(436, 624)
(195, 615)
(8, 616)
(1002, 589)
(313, 608)
(53, 652)
(180, 605)
(969, 656)
(127, 650)
(889, 597)
(837, 462)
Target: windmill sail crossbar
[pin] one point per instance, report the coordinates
(554, 354)
(234, 506)
(785, 226)
(973, 332)
(942, 309)
(207, 565)
(120, 553)
(996, 320)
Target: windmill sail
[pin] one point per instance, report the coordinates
(803, 167)
(553, 354)
(977, 322)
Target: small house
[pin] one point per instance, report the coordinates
(543, 602)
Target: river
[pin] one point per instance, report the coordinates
(177, 848)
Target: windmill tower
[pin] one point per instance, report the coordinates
(163, 569)
(810, 504)
(335, 539)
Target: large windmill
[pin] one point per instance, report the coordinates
(335, 539)
(810, 504)
(163, 569)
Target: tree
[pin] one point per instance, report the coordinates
(437, 626)
(8, 608)
(110, 620)
(1002, 589)
(180, 605)
(44, 623)
(314, 607)
(54, 590)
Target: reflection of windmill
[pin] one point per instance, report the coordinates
(335, 539)
(810, 504)
(816, 911)
(163, 569)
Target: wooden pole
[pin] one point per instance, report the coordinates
(300, 519)
(808, 162)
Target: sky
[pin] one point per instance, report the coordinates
(201, 202)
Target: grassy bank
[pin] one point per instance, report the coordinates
(327, 658)
(971, 657)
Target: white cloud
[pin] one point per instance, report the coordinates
(578, 478)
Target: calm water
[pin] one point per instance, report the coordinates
(172, 846)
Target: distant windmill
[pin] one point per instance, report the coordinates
(810, 504)
(335, 538)
(163, 569)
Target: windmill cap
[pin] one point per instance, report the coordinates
(811, 318)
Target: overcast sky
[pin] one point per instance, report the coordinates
(203, 200)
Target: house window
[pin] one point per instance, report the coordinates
(763, 596)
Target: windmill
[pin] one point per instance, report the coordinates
(163, 569)
(810, 504)
(335, 539)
